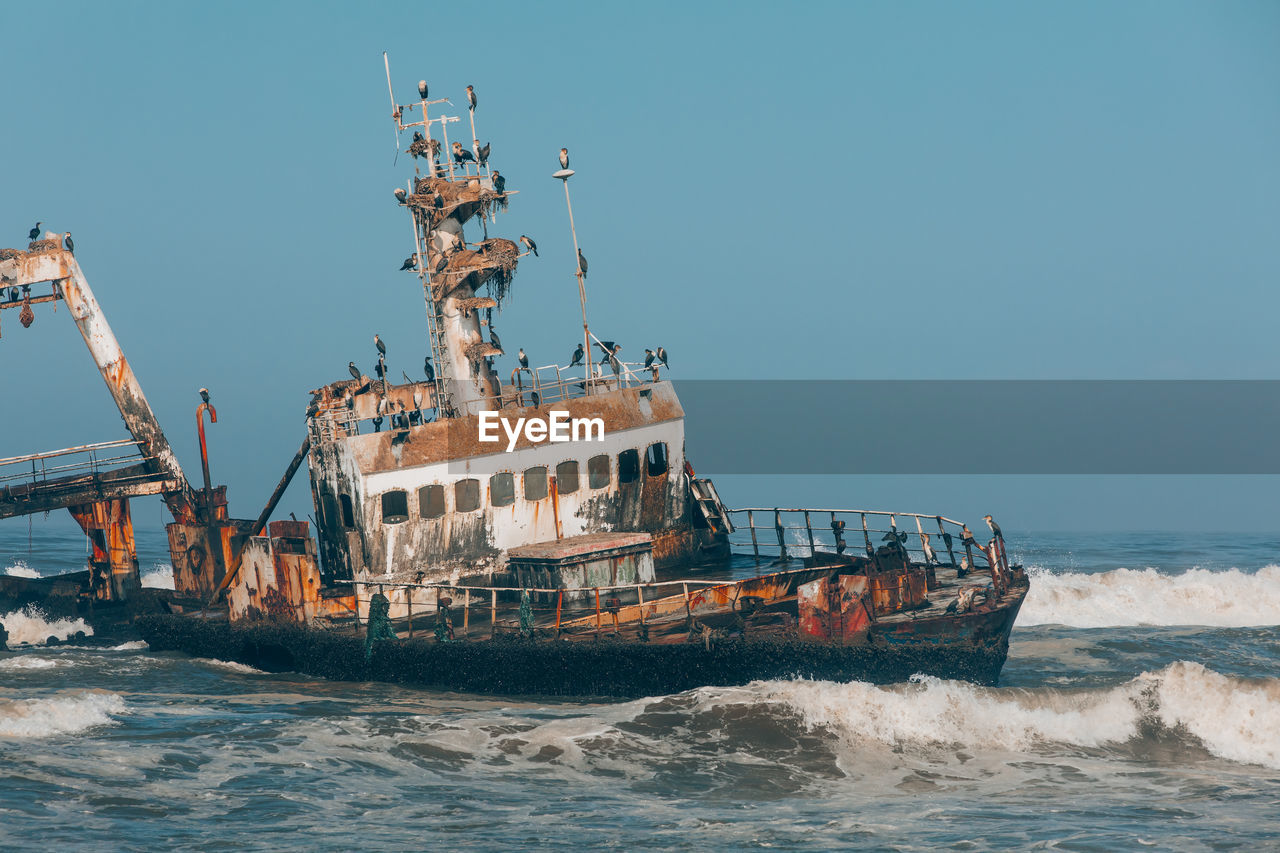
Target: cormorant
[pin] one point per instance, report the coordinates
(422, 89)
(494, 339)
(34, 233)
(536, 398)
(380, 370)
(662, 356)
(499, 183)
(648, 357)
(355, 371)
(204, 394)
(377, 342)
(429, 370)
(409, 262)
(609, 347)
(614, 363)
(564, 158)
(482, 152)
(377, 424)
(462, 155)
(577, 356)
(401, 195)
(522, 358)
(582, 263)
(13, 294)
(71, 247)
(995, 528)
(471, 98)
(530, 245)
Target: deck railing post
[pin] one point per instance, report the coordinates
(946, 540)
(751, 524)
(466, 611)
(493, 613)
(408, 605)
(782, 538)
(866, 535)
(597, 610)
(809, 527)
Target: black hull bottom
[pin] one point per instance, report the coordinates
(608, 667)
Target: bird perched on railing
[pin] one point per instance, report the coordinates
(582, 263)
(499, 183)
(609, 347)
(995, 528)
(482, 151)
(471, 98)
(529, 244)
(66, 240)
(966, 536)
(204, 394)
(564, 158)
(648, 357)
(462, 155)
(577, 356)
(522, 358)
(34, 233)
(410, 262)
(662, 356)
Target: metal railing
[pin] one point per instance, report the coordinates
(786, 533)
(85, 460)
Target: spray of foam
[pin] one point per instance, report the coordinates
(34, 718)
(33, 626)
(1235, 719)
(159, 576)
(21, 570)
(1230, 599)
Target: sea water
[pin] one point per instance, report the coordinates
(1140, 706)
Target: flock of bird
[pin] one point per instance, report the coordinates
(14, 293)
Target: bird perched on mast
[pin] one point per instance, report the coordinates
(662, 356)
(353, 370)
(499, 183)
(377, 342)
(204, 394)
(410, 262)
(494, 339)
(522, 358)
(471, 98)
(529, 244)
(482, 152)
(66, 239)
(582, 263)
(422, 89)
(564, 158)
(462, 155)
(401, 194)
(577, 356)
(34, 233)
(429, 370)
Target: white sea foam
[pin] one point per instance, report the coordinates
(33, 627)
(28, 662)
(1229, 599)
(32, 718)
(159, 576)
(229, 666)
(21, 570)
(1236, 719)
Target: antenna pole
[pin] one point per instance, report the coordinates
(582, 290)
(395, 108)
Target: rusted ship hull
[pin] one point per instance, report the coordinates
(970, 647)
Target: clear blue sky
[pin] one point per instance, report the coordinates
(818, 190)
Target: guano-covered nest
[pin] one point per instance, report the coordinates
(44, 245)
(424, 147)
(492, 261)
(8, 254)
(471, 303)
(441, 197)
(481, 349)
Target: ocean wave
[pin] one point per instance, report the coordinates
(1228, 599)
(1233, 718)
(33, 626)
(227, 665)
(28, 662)
(159, 576)
(21, 570)
(43, 717)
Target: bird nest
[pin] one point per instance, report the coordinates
(482, 349)
(471, 303)
(452, 195)
(9, 254)
(492, 262)
(44, 245)
(424, 147)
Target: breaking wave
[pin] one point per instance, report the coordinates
(1236, 719)
(159, 576)
(33, 626)
(21, 570)
(1227, 599)
(31, 718)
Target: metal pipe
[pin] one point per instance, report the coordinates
(582, 290)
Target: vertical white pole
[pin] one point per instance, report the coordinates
(582, 291)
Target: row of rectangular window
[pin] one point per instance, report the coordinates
(502, 488)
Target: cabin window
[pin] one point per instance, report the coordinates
(598, 471)
(395, 507)
(330, 509)
(466, 495)
(655, 460)
(567, 477)
(535, 483)
(628, 466)
(502, 489)
(348, 515)
(431, 501)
